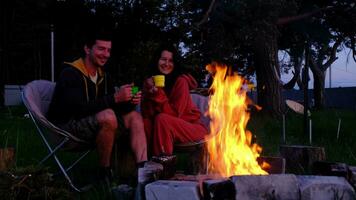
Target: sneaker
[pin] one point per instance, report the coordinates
(169, 165)
(123, 191)
(106, 174)
(150, 172)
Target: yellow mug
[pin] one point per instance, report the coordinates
(158, 80)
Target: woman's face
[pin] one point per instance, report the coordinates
(165, 62)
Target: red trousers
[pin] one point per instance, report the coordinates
(165, 130)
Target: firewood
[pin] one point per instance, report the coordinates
(300, 159)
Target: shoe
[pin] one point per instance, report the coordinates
(150, 172)
(106, 174)
(169, 165)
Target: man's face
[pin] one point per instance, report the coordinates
(165, 63)
(99, 53)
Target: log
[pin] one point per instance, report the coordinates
(198, 161)
(331, 169)
(197, 156)
(123, 161)
(276, 165)
(7, 158)
(300, 159)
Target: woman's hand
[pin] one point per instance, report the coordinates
(149, 86)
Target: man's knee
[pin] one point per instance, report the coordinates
(133, 118)
(134, 115)
(107, 119)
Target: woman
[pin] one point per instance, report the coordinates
(169, 114)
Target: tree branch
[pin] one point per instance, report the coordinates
(286, 20)
(313, 66)
(206, 16)
(353, 48)
(295, 78)
(332, 56)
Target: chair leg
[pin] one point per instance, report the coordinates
(63, 170)
(65, 174)
(52, 152)
(79, 159)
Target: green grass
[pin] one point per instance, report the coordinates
(324, 133)
(19, 132)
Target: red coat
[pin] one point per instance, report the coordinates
(180, 115)
(178, 104)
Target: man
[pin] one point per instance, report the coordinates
(86, 104)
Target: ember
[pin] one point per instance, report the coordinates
(230, 151)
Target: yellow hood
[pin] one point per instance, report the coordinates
(79, 64)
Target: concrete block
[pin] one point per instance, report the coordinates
(172, 190)
(352, 175)
(325, 188)
(259, 187)
(219, 189)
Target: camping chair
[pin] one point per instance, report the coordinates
(37, 96)
(197, 150)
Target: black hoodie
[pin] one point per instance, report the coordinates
(76, 96)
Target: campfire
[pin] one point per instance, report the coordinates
(234, 170)
(231, 150)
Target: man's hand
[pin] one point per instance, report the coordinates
(137, 98)
(123, 94)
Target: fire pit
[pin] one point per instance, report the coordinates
(254, 187)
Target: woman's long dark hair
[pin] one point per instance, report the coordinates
(170, 78)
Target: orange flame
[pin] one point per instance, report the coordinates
(230, 151)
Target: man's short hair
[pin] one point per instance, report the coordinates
(102, 34)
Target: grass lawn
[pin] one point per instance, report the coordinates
(324, 133)
(19, 132)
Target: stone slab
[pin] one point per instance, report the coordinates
(325, 188)
(172, 190)
(260, 187)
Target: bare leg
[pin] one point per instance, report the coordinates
(134, 122)
(105, 138)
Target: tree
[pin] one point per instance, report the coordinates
(247, 32)
(340, 21)
(24, 41)
(238, 30)
(326, 31)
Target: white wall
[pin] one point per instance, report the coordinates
(12, 95)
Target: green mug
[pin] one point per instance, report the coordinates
(134, 90)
